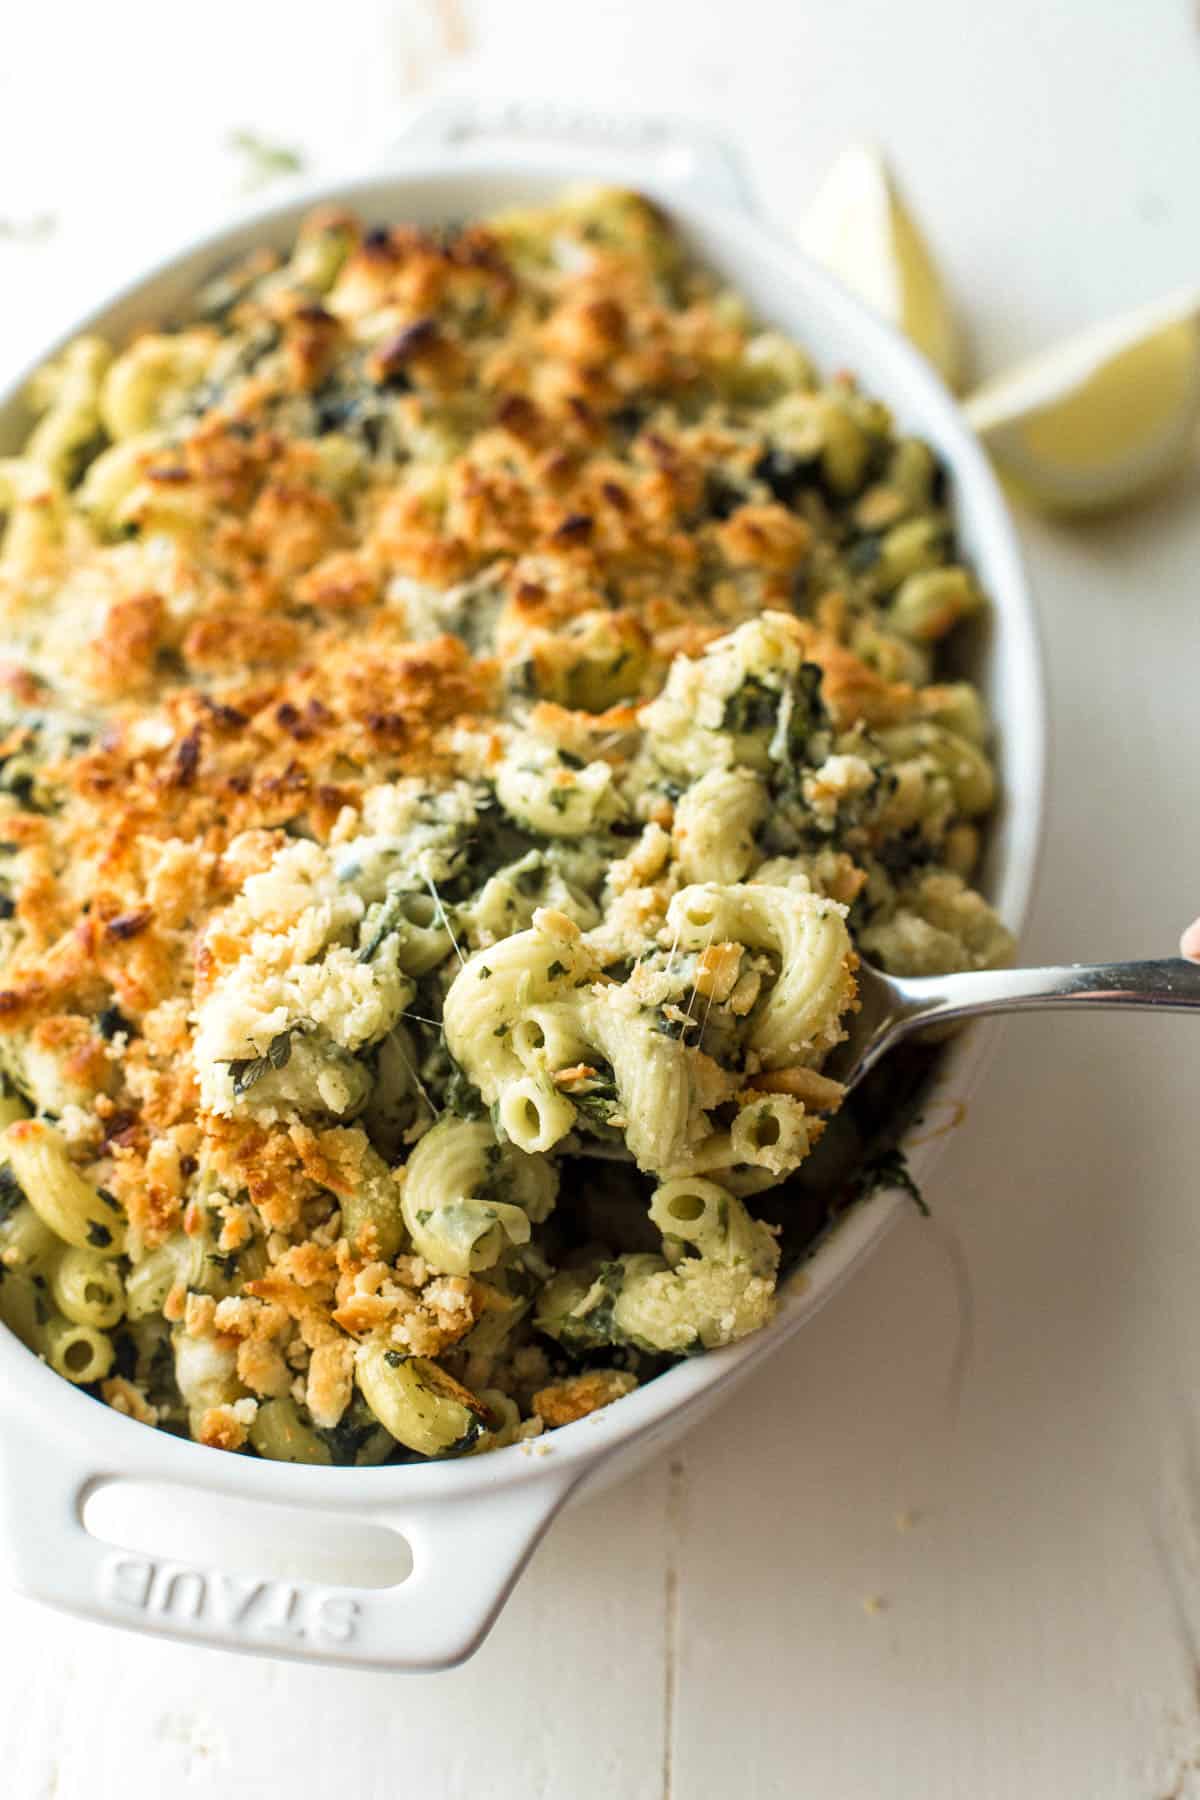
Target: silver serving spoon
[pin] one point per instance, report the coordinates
(893, 1007)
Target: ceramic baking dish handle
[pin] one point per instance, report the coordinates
(686, 155)
(466, 1555)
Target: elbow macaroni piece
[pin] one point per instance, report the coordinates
(176, 1263)
(772, 1132)
(491, 994)
(112, 489)
(545, 794)
(715, 823)
(372, 1206)
(466, 1196)
(678, 1307)
(694, 725)
(29, 1243)
(653, 1082)
(417, 1402)
(942, 753)
(66, 393)
(149, 384)
(35, 508)
(799, 1020)
(79, 1352)
(23, 1310)
(715, 1222)
(280, 1434)
(87, 1289)
(715, 1298)
(74, 1210)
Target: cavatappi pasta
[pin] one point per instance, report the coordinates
(468, 698)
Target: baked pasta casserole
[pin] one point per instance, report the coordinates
(469, 699)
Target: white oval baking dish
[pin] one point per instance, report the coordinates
(471, 1525)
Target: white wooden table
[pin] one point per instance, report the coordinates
(948, 1545)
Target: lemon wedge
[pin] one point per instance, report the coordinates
(1095, 419)
(859, 228)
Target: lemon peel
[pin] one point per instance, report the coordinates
(860, 228)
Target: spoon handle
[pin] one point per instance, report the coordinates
(1142, 986)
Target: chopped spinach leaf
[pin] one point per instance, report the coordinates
(470, 1436)
(752, 708)
(909, 850)
(597, 1326)
(347, 1437)
(787, 476)
(721, 497)
(11, 1193)
(463, 1097)
(863, 555)
(597, 1098)
(111, 1021)
(888, 1169)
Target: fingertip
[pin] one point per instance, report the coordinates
(1189, 943)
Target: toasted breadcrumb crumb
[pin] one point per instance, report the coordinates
(581, 1395)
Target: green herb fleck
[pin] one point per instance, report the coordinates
(264, 161)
